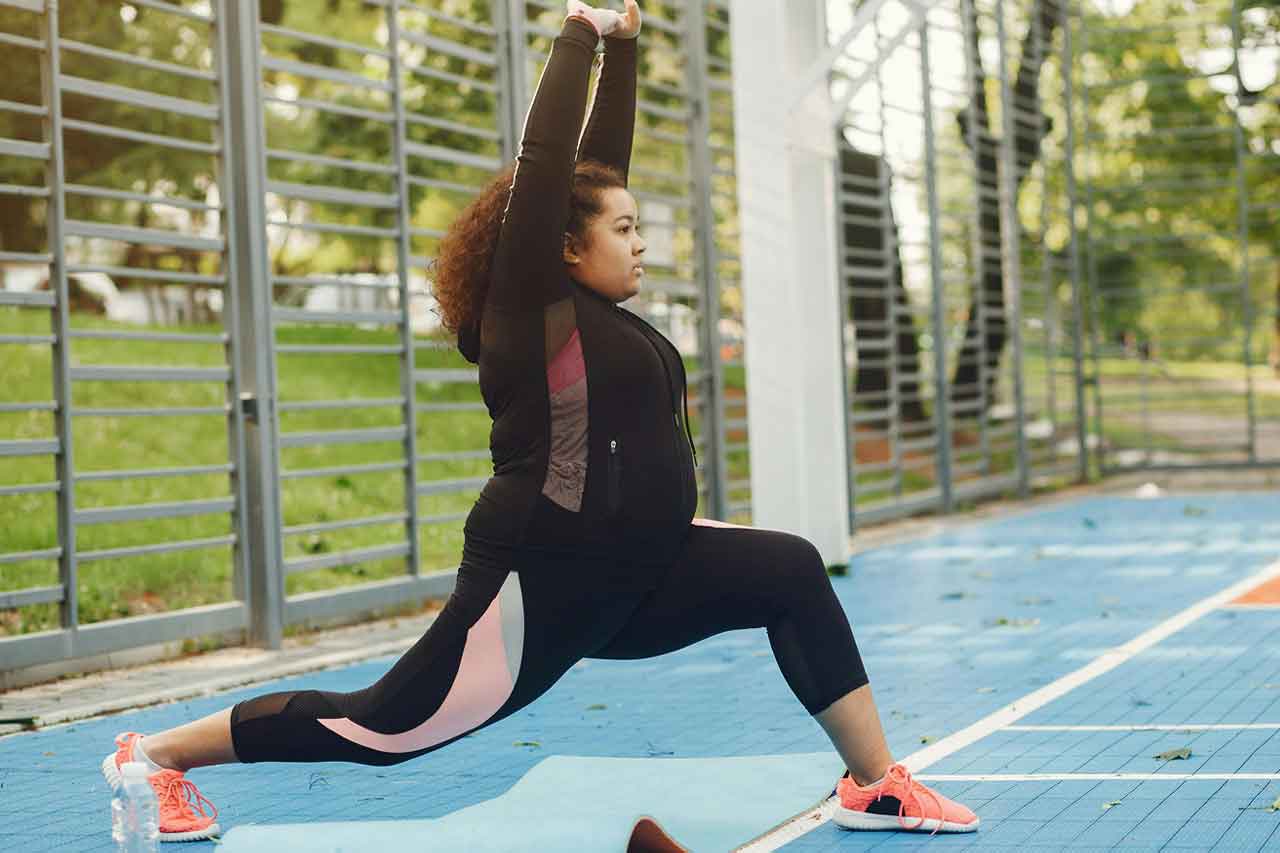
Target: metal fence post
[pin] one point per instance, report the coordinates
(403, 224)
(1068, 93)
(941, 403)
(509, 18)
(241, 586)
(1011, 245)
(1246, 298)
(245, 191)
(68, 573)
(712, 383)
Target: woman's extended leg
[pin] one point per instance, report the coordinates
(503, 639)
(730, 577)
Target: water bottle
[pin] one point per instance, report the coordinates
(135, 812)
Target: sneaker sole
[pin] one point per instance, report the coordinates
(851, 819)
(114, 779)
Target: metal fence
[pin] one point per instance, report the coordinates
(279, 433)
(1003, 281)
(1180, 259)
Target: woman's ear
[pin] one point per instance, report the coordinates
(570, 249)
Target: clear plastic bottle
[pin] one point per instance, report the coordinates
(135, 812)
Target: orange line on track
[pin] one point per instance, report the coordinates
(1264, 593)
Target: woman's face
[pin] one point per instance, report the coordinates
(607, 258)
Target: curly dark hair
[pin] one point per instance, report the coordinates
(464, 259)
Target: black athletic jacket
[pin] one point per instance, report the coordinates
(591, 451)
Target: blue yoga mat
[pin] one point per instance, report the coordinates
(580, 804)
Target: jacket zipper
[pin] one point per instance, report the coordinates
(615, 476)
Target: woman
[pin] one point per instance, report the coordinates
(583, 544)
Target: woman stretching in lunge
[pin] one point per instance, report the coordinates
(583, 543)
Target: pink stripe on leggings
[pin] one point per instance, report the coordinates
(482, 685)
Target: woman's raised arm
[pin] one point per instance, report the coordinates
(613, 113)
(528, 270)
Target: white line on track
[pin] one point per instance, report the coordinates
(1076, 777)
(1149, 727)
(804, 823)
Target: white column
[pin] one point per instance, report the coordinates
(785, 158)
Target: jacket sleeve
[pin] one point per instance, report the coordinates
(613, 113)
(528, 269)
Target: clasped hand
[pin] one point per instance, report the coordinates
(607, 22)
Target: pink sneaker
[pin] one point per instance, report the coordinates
(178, 820)
(899, 802)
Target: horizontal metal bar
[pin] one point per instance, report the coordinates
(170, 8)
(157, 200)
(440, 184)
(143, 236)
(462, 23)
(333, 109)
(334, 162)
(22, 189)
(451, 77)
(137, 98)
(140, 512)
(30, 596)
(138, 61)
(455, 126)
(148, 473)
(113, 635)
(29, 556)
(170, 276)
(140, 136)
(451, 407)
(19, 106)
(442, 518)
(327, 41)
(339, 349)
(342, 436)
(22, 148)
(345, 524)
(19, 41)
(455, 455)
(158, 548)
(445, 487)
(446, 374)
(450, 48)
(298, 315)
(368, 598)
(170, 412)
(29, 447)
(166, 337)
(150, 374)
(28, 339)
(28, 407)
(343, 470)
(331, 228)
(355, 403)
(31, 489)
(333, 195)
(345, 558)
(321, 72)
(334, 281)
(450, 155)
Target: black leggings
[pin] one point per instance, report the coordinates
(504, 637)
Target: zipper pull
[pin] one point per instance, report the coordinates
(613, 447)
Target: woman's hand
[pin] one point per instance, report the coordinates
(608, 22)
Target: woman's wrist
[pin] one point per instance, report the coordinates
(578, 16)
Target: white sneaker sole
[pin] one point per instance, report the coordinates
(850, 819)
(114, 779)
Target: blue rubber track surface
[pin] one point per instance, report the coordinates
(951, 627)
